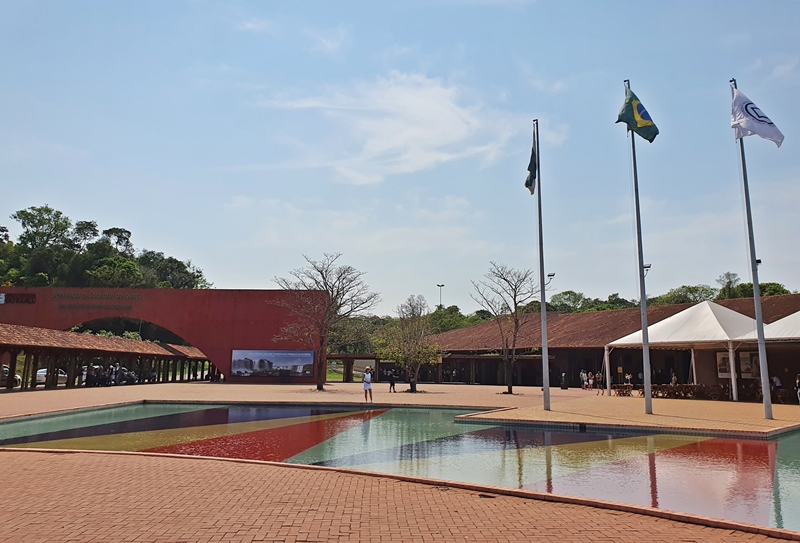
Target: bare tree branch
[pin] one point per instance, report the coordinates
(503, 292)
(347, 296)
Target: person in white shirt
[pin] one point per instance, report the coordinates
(368, 384)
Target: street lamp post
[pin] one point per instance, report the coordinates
(440, 294)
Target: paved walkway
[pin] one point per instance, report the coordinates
(126, 497)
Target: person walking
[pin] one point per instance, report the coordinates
(392, 379)
(368, 384)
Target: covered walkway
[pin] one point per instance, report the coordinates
(25, 350)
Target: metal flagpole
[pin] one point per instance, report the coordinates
(648, 389)
(542, 298)
(762, 347)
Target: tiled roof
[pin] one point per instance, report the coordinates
(26, 336)
(186, 350)
(595, 329)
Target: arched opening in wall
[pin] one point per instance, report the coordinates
(130, 329)
(187, 364)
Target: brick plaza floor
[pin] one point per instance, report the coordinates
(110, 497)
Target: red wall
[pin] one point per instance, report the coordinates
(214, 321)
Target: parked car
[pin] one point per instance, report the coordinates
(4, 378)
(41, 376)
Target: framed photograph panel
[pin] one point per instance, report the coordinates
(261, 363)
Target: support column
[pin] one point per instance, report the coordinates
(12, 367)
(71, 376)
(734, 380)
(348, 370)
(27, 369)
(52, 373)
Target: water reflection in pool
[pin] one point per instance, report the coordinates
(757, 482)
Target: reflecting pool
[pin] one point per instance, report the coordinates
(757, 482)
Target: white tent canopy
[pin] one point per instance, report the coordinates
(785, 329)
(702, 323)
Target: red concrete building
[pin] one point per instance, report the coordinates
(235, 329)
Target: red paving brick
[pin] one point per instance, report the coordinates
(125, 497)
(128, 497)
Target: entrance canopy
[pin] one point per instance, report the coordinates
(701, 324)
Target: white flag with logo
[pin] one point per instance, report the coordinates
(747, 119)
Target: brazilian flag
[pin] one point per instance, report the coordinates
(636, 117)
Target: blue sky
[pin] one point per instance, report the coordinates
(242, 135)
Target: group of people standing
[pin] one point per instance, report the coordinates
(589, 379)
(391, 375)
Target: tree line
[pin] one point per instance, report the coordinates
(53, 251)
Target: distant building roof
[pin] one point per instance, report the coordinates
(595, 329)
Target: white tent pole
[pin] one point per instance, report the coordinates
(732, 365)
(694, 369)
(607, 364)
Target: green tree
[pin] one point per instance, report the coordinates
(347, 295)
(354, 335)
(43, 227)
(52, 261)
(615, 301)
(448, 318)
(169, 272)
(569, 301)
(482, 315)
(120, 239)
(408, 341)
(116, 272)
(728, 282)
(83, 233)
(9, 258)
(745, 290)
(686, 294)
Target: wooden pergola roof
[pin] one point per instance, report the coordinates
(27, 337)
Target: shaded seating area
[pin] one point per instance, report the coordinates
(59, 357)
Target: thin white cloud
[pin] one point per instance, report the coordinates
(786, 69)
(542, 84)
(238, 202)
(408, 122)
(549, 87)
(329, 42)
(259, 26)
